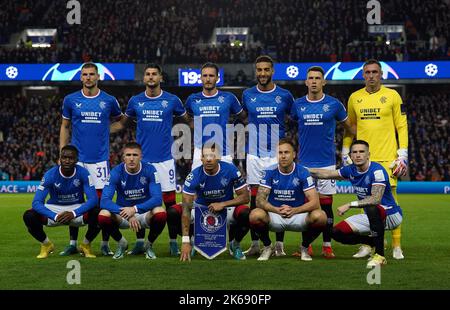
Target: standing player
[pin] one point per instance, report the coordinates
(371, 183)
(316, 115)
(380, 117)
(138, 202)
(87, 113)
(267, 106)
(153, 110)
(67, 184)
(287, 200)
(212, 185)
(211, 109)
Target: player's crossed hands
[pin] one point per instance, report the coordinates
(65, 217)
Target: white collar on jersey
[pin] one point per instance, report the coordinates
(91, 97)
(211, 175)
(267, 91)
(156, 97)
(293, 169)
(368, 167)
(315, 101)
(74, 172)
(140, 168)
(217, 92)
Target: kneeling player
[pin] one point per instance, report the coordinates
(213, 184)
(138, 203)
(287, 200)
(67, 184)
(371, 183)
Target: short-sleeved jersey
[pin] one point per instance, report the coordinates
(141, 189)
(65, 191)
(362, 183)
(90, 118)
(214, 188)
(378, 117)
(287, 188)
(316, 129)
(266, 118)
(154, 116)
(211, 114)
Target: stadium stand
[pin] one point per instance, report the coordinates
(175, 31)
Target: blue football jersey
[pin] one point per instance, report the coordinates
(266, 118)
(288, 189)
(211, 114)
(214, 188)
(316, 129)
(141, 189)
(362, 183)
(154, 116)
(90, 118)
(65, 191)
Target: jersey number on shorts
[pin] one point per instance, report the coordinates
(102, 172)
(171, 175)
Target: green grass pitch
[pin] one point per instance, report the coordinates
(425, 242)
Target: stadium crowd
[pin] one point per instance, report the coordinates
(29, 131)
(175, 31)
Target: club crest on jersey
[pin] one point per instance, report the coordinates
(296, 181)
(143, 180)
(78, 105)
(224, 181)
(383, 99)
(211, 222)
(326, 108)
(102, 105)
(164, 103)
(278, 99)
(76, 182)
(221, 99)
(124, 183)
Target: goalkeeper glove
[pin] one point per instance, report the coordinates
(346, 160)
(400, 165)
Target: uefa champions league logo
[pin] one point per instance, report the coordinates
(211, 222)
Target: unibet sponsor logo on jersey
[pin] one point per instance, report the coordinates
(361, 191)
(91, 117)
(214, 194)
(373, 113)
(209, 111)
(284, 194)
(266, 112)
(69, 198)
(135, 194)
(313, 119)
(152, 115)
